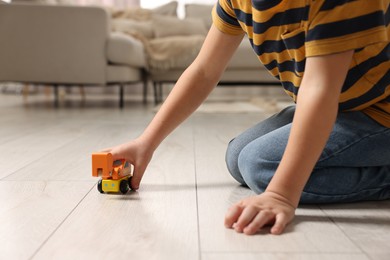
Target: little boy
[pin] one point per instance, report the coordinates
(332, 58)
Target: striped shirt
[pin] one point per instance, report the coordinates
(284, 32)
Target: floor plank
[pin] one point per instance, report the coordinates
(32, 210)
(71, 135)
(73, 160)
(281, 256)
(158, 222)
(20, 152)
(367, 224)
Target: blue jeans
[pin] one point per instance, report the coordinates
(354, 166)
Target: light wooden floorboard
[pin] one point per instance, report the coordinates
(50, 208)
(25, 150)
(367, 224)
(281, 256)
(73, 158)
(158, 222)
(15, 127)
(32, 210)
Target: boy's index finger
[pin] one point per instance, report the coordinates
(279, 225)
(232, 215)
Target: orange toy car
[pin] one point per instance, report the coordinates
(115, 175)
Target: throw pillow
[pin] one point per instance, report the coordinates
(175, 52)
(138, 14)
(50, 2)
(142, 14)
(169, 9)
(165, 26)
(200, 11)
(132, 27)
(66, 2)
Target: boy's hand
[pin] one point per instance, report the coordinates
(251, 214)
(135, 152)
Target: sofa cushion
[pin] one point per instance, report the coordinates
(133, 27)
(173, 52)
(244, 57)
(178, 52)
(199, 11)
(243, 76)
(123, 49)
(50, 2)
(138, 14)
(116, 74)
(165, 26)
(142, 14)
(169, 9)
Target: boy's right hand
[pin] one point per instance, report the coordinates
(136, 153)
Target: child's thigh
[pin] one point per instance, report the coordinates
(276, 121)
(356, 141)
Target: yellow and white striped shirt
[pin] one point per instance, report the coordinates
(283, 33)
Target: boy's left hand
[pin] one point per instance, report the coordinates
(251, 214)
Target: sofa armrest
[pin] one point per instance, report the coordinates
(124, 49)
(53, 44)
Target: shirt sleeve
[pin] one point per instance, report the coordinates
(337, 26)
(225, 19)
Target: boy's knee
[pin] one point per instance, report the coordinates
(231, 158)
(256, 170)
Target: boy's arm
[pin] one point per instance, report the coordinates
(194, 85)
(192, 88)
(315, 114)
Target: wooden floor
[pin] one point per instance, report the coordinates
(50, 208)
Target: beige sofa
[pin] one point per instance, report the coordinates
(66, 45)
(169, 34)
(89, 45)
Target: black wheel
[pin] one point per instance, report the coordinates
(124, 186)
(130, 183)
(100, 186)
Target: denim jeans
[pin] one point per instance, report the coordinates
(354, 165)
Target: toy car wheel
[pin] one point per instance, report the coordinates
(124, 187)
(130, 183)
(100, 186)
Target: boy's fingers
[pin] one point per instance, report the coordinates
(116, 156)
(261, 219)
(106, 150)
(232, 215)
(136, 179)
(245, 218)
(279, 225)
